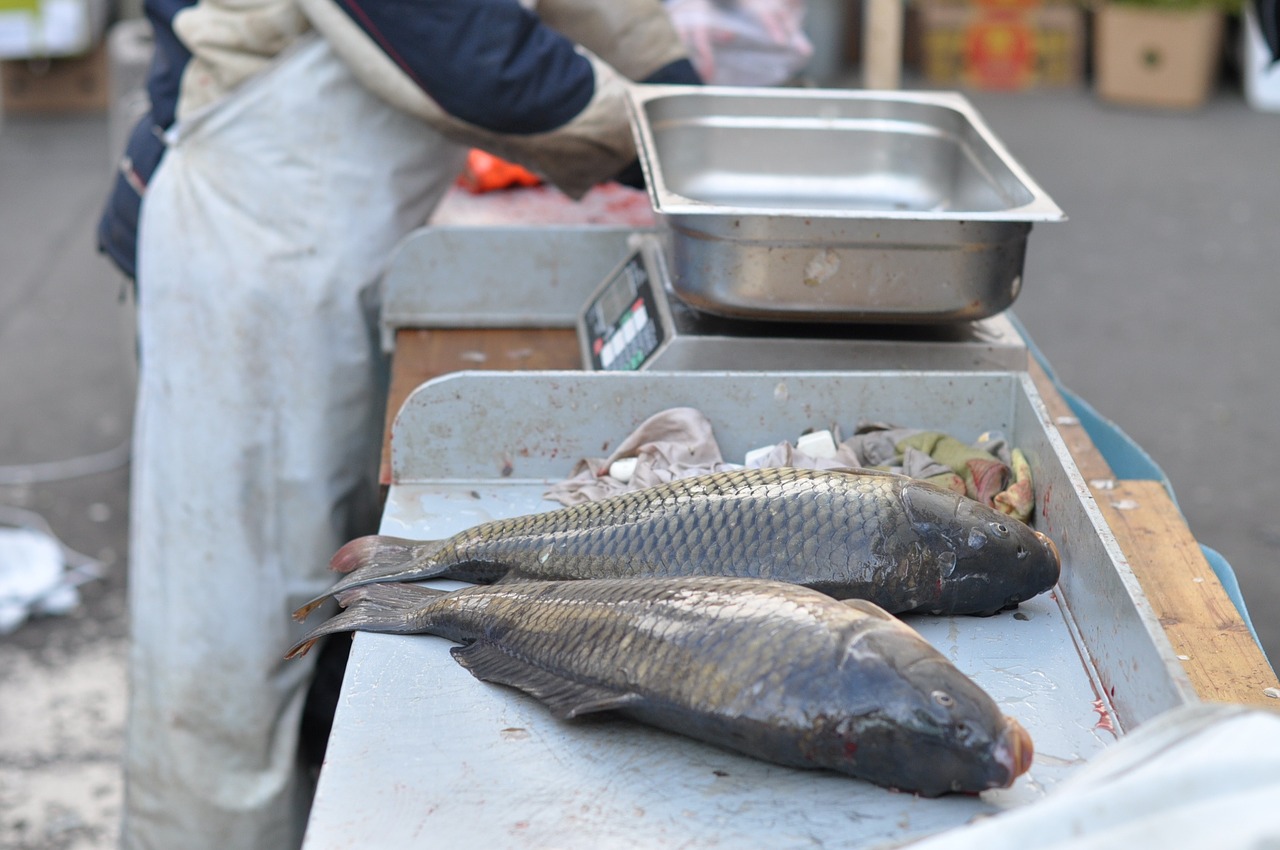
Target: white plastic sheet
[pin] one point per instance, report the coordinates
(1200, 776)
(38, 574)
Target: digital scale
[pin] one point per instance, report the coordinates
(634, 320)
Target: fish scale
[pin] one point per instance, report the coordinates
(903, 544)
(769, 669)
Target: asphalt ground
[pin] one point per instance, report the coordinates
(1157, 302)
(66, 398)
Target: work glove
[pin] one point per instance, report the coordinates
(681, 72)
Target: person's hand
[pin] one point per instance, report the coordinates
(704, 26)
(695, 23)
(782, 20)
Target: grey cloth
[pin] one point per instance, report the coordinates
(680, 442)
(672, 444)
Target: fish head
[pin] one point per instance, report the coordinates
(985, 560)
(932, 729)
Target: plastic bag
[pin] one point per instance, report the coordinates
(1198, 776)
(485, 172)
(743, 42)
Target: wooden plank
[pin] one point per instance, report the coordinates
(1093, 467)
(882, 44)
(421, 355)
(1217, 650)
(1223, 661)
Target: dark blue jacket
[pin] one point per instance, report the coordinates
(505, 72)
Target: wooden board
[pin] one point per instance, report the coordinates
(421, 355)
(1087, 457)
(1222, 660)
(1216, 648)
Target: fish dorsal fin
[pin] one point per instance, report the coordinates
(869, 608)
(566, 698)
(865, 471)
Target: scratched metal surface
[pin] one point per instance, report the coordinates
(424, 755)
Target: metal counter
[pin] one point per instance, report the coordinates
(424, 755)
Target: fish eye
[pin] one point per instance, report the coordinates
(943, 699)
(999, 529)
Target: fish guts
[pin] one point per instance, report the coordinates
(772, 670)
(903, 544)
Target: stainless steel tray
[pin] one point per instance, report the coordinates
(836, 205)
(422, 751)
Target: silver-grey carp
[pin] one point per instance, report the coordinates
(901, 543)
(777, 671)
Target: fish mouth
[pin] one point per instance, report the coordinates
(1050, 545)
(1015, 750)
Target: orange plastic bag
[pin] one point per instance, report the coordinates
(485, 172)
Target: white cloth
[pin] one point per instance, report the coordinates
(262, 235)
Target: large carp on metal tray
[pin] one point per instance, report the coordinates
(773, 670)
(901, 543)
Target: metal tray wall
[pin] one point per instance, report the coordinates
(812, 204)
(535, 426)
(517, 276)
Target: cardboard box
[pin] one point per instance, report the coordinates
(72, 84)
(1002, 44)
(1156, 57)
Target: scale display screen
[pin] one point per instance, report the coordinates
(621, 325)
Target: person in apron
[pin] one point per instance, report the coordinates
(290, 145)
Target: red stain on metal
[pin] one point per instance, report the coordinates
(1104, 716)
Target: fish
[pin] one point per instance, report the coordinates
(904, 544)
(773, 670)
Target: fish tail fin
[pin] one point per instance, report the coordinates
(377, 558)
(377, 549)
(388, 607)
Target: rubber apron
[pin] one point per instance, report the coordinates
(262, 236)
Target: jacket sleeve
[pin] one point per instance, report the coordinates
(636, 37)
(492, 74)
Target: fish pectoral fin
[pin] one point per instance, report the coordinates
(567, 698)
(869, 608)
